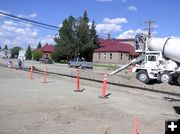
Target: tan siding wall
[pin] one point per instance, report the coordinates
(46, 54)
(105, 58)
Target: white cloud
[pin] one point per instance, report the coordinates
(124, 1)
(60, 25)
(33, 15)
(132, 8)
(9, 23)
(48, 39)
(110, 25)
(108, 28)
(104, 0)
(18, 33)
(30, 16)
(115, 20)
(130, 34)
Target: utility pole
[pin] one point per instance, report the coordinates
(150, 26)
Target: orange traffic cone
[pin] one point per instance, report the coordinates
(45, 72)
(77, 82)
(30, 72)
(136, 125)
(104, 96)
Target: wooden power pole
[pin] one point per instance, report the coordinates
(150, 26)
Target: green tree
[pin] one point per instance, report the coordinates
(93, 36)
(93, 42)
(39, 45)
(37, 55)
(5, 47)
(15, 51)
(83, 35)
(29, 53)
(65, 43)
(76, 38)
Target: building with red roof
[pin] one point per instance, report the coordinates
(47, 50)
(114, 51)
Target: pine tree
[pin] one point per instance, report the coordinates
(93, 36)
(65, 43)
(83, 43)
(29, 53)
(76, 38)
(39, 45)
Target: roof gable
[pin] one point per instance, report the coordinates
(47, 48)
(107, 42)
(117, 47)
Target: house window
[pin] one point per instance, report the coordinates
(110, 55)
(151, 58)
(104, 55)
(99, 55)
(121, 56)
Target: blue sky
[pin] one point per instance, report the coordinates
(120, 18)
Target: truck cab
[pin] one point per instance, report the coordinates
(150, 67)
(156, 67)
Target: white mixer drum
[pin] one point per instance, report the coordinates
(169, 47)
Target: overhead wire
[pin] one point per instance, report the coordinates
(35, 23)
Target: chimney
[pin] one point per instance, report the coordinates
(108, 36)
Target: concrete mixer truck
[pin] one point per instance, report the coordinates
(159, 59)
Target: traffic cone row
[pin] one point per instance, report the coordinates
(103, 93)
(31, 72)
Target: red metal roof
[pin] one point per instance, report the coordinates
(47, 48)
(117, 47)
(107, 42)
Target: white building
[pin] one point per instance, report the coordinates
(2, 54)
(5, 53)
(22, 54)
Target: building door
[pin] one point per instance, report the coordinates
(46, 55)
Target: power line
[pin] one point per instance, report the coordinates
(36, 23)
(29, 23)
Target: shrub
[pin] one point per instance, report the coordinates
(37, 55)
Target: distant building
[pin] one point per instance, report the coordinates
(22, 54)
(5, 53)
(2, 54)
(47, 50)
(114, 51)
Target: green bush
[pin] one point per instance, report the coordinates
(37, 55)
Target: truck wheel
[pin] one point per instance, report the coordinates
(142, 76)
(166, 77)
(178, 80)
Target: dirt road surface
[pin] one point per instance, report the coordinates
(33, 107)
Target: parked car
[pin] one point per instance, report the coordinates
(80, 62)
(46, 60)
